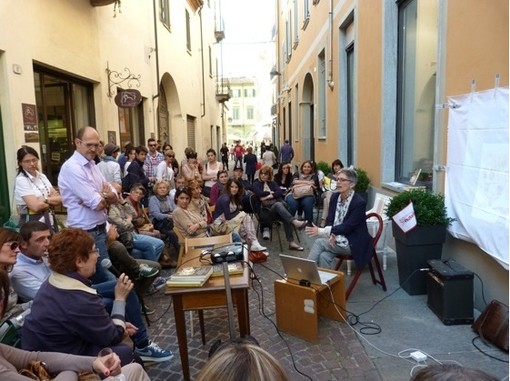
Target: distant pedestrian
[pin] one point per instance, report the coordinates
(251, 164)
(286, 152)
(238, 153)
(224, 155)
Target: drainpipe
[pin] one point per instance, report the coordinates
(331, 84)
(202, 55)
(156, 53)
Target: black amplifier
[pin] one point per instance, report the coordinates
(450, 291)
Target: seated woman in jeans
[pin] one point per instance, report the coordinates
(272, 206)
(305, 177)
(128, 216)
(229, 213)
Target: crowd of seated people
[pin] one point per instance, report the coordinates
(130, 221)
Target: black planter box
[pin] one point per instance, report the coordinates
(414, 249)
(450, 292)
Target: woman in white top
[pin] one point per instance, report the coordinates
(34, 195)
(269, 158)
(210, 172)
(130, 154)
(165, 170)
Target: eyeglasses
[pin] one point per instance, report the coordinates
(152, 145)
(170, 155)
(264, 173)
(344, 180)
(89, 145)
(12, 245)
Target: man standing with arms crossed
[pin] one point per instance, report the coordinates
(86, 195)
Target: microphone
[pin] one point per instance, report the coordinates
(107, 264)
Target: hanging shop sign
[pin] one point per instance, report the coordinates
(128, 98)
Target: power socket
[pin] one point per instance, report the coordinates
(418, 356)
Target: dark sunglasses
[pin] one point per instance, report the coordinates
(152, 145)
(170, 155)
(13, 245)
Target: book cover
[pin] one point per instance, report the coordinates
(190, 273)
(189, 283)
(234, 268)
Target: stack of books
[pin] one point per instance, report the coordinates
(190, 277)
(234, 268)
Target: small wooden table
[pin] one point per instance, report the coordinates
(210, 295)
(298, 308)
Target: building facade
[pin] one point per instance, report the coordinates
(366, 81)
(64, 70)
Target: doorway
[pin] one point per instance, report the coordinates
(63, 106)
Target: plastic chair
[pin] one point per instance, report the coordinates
(379, 207)
(374, 258)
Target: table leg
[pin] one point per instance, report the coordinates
(180, 327)
(243, 311)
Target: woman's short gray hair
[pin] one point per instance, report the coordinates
(351, 174)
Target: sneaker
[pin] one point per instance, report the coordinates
(256, 246)
(266, 234)
(153, 353)
(145, 271)
(148, 310)
(159, 283)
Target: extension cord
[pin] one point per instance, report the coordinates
(418, 356)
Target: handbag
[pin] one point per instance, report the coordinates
(492, 324)
(257, 256)
(301, 190)
(38, 371)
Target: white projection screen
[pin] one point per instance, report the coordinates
(477, 170)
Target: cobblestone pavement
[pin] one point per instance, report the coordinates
(391, 321)
(338, 355)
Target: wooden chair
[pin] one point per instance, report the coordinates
(205, 243)
(181, 239)
(374, 258)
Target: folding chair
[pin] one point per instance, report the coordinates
(374, 258)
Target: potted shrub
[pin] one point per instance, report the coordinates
(422, 243)
(324, 167)
(361, 187)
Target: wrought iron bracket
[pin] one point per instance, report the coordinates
(116, 78)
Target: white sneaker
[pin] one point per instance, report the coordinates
(266, 234)
(256, 246)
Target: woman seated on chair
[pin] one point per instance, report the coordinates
(198, 203)
(330, 188)
(272, 207)
(160, 211)
(284, 176)
(186, 220)
(229, 218)
(218, 186)
(346, 230)
(63, 365)
(305, 178)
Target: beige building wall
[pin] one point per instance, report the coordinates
(74, 38)
(472, 43)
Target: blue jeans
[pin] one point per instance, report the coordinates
(304, 203)
(102, 274)
(133, 312)
(147, 247)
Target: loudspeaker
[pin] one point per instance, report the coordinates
(450, 292)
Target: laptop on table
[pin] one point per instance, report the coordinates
(297, 269)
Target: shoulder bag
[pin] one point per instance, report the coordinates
(492, 325)
(301, 190)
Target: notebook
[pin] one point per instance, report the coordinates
(297, 269)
